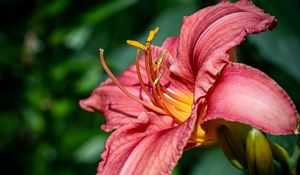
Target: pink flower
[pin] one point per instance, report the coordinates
(174, 96)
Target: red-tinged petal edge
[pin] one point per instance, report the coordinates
(249, 96)
(207, 36)
(150, 145)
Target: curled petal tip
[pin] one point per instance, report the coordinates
(83, 105)
(206, 37)
(101, 50)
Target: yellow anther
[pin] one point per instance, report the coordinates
(136, 44)
(152, 34)
(156, 30)
(159, 60)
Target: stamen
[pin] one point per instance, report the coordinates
(148, 55)
(137, 65)
(116, 81)
(148, 66)
(177, 116)
(165, 101)
(148, 61)
(152, 34)
(169, 107)
(159, 60)
(136, 44)
(158, 63)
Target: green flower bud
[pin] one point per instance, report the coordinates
(259, 154)
(232, 147)
(280, 155)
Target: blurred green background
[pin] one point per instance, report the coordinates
(49, 61)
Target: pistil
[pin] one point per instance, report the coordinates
(162, 99)
(116, 81)
(175, 105)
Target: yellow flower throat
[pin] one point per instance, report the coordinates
(163, 100)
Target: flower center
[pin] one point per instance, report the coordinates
(163, 99)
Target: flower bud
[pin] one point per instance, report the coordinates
(280, 154)
(259, 154)
(232, 147)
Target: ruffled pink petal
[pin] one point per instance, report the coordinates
(149, 145)
(249, 96)
(169, 80)
(208, 35)
(119, 108)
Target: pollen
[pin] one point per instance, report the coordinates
(152, 34)
(163, 100)
(136, 44)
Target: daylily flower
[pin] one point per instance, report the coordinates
(177, 96)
